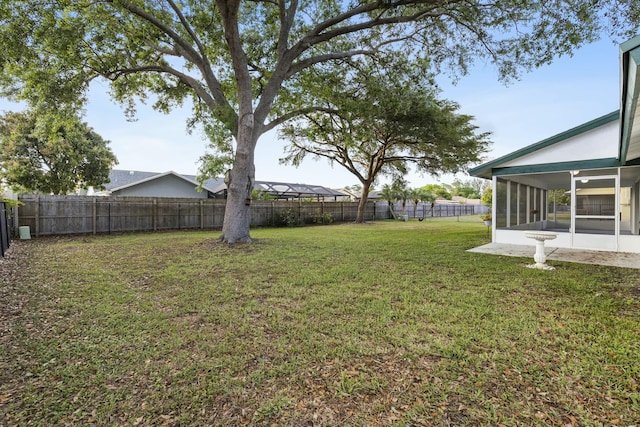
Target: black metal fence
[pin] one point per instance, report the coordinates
(5, 237)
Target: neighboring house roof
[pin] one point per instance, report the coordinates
(121, 179)
(373, 195)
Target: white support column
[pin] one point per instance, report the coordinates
(509, 204)
(572, 227)
(518, 195)
(635, 208)
(494, 207)
(618, 212)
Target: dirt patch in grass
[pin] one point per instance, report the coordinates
(218, 245)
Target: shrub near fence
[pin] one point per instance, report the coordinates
(56, 215)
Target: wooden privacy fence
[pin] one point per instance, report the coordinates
(5, 237)
(56, 215)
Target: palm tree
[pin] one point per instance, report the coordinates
(404, 194)
(389, 194)
(421, 195)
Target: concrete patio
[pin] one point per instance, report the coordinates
(613, 259)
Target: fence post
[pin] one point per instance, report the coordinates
(273, 213)
(37, 224)
(201, 214)
(94, 213)
(154, 213)
(213, 214)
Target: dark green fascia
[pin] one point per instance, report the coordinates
(558, 167)
(485, 169)
(630, 45)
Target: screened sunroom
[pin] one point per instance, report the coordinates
(583, 184)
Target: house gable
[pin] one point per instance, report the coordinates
(154, 184)
(168, 184)
(594, 144)
(598, 143)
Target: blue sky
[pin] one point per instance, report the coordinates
(544, 102)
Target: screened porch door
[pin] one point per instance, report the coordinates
(595, 212)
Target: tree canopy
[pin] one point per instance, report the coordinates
(245, 65)
(380, 121)
(487, 197)
(439, 190)
(51, 154)
(470, 188)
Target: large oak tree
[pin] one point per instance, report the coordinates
(382, 120)
(244, 63)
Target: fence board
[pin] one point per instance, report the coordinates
(53, 215)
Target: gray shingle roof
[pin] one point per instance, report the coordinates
(120, 178)
(124, 178)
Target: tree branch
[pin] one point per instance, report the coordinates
(306, 63)
(316, 35)
(194, 55)
(185, 24)
(165, 51)
(286, 22)
(295, 113)
(184, 78)
(184, 48)
(229, 10)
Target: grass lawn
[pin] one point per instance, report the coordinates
(384, 324)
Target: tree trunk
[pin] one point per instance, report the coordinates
(362, 204)
(240, 179)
